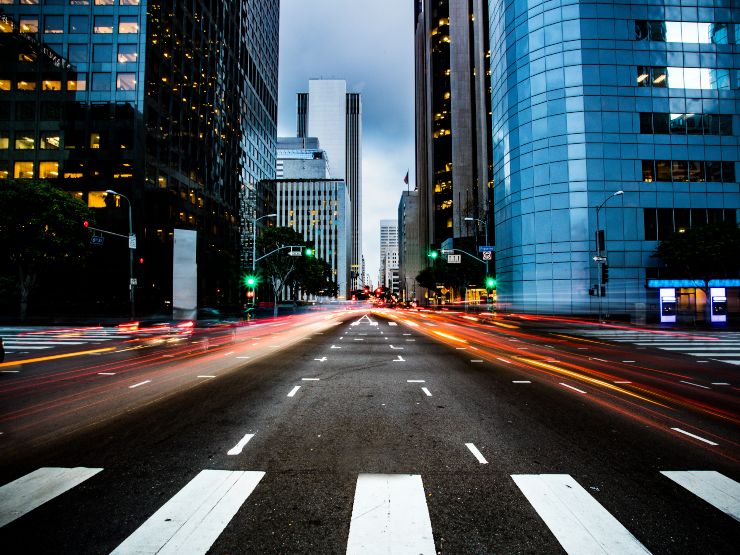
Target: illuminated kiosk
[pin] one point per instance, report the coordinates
(716, 299)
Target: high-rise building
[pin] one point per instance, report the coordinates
(454, 169)
(320, 210)
(408, 244)
(388, 244)
(334, 116)
(172, 104)
(613, 117)
(301, 158)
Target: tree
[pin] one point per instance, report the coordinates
(41, 229)
(706, 252)
(314, 277)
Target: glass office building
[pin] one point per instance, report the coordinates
(172, 103)
(592, 98)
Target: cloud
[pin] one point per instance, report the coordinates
(370, 45)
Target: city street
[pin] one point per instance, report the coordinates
(376, 431)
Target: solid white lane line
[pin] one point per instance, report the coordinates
(194, 518)
(521, 381)
(140, 383)
(478, 455)
(684, 432)
(578, 521)
(106, 373)
(426, 392)
(504, 360)
(714, 488)
(390, 515)
(33, 490)
(310, 379)
(695, 384)
(294, 391)
(573, 388)
(237, 449)
(415, 381)
(207, 376)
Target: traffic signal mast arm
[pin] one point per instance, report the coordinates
(470, 255)
(301, 247)
(106, 231)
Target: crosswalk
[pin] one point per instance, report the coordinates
(33, 340)
(390, 513)
(720, 347)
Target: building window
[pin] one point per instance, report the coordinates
(23, 170)
(79, 24)
(127, 53)
(682, 31)
(103, 24)
(104, 2)
(79, 84)
(26, 57)
(128, 24)
(54, 24)
(129, 2)
(29, 25)
(4, 140)
(683, 77)
(4, 174)
(4, 84)
(48, 170)
(126, 82)
(50, 140)
(692, 170)
(95, 140)
(101, 81)
(78, 53)
(24, 140)
(692, 124)
(102, 53)
(48, 85)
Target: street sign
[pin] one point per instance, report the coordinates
(132, 241)
(487, 255)
(448, 251)
(486, 248)
(599, 259)
(134, 282)
(294, 253)
(454, 258)
(97, 240)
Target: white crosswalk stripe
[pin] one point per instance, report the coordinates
(33, 490)
(713, 487)
(719, 346)
(18, 340)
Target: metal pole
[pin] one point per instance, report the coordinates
(254, 244)
(131, 261)
(598, 253)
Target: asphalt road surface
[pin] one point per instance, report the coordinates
(377, 432)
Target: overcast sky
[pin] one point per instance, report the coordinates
(369, 44)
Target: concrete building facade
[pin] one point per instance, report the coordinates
(388, 244)
(301, 158)
(408, 244)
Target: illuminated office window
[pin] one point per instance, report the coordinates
(48, 170)
(23, 170)
(128, 24)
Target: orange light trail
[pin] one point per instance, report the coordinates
(54, 357)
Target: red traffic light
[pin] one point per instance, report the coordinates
(141, 260)
(86, 223)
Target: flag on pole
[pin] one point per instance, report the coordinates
(406, 179)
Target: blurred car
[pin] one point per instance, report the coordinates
(2, 350)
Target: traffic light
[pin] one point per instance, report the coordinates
(308, 251)
(433, 255)
(490, 283)
(604, 273)
(250, 281)
(86, 223)
(141, 260)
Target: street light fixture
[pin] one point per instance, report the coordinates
(485, 225)
(254, 237)
(131, 248)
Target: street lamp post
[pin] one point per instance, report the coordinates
(485, 226)
(254, 238)
(599, 258)
(131, 248)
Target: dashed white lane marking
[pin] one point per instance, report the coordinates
(294, 391)
(426, 392)
(415, 381)
(622, 381)
(695, 384)
(399, 359)
(411, 340)
(397, 348)
(322, 359)
(713, 487)
(720, 383)
(358, 339)
(392, 324)
(194, 518)
(478, 455)
(242, 357)
(390, 515)
(33, 490)
(521, 381)
(106, 373)
(237, 449)
(578, 521)
(599, 359)
(583, 348)
(504, 360)
(573, 388)
(629, 361)
(140, 384)
(229, 353)
(10, 371)
(475, 360)
(335, 347)
(680, 431)
(207, 377)
(310, 379)
(407, 334)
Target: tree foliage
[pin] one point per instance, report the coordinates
(706, 252)
(454, 276)
(40, 231)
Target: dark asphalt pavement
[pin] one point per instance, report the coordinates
(387, 394)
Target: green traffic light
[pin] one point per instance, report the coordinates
(250, 281)
(490, 283)
(308, 252)
(433, 255)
